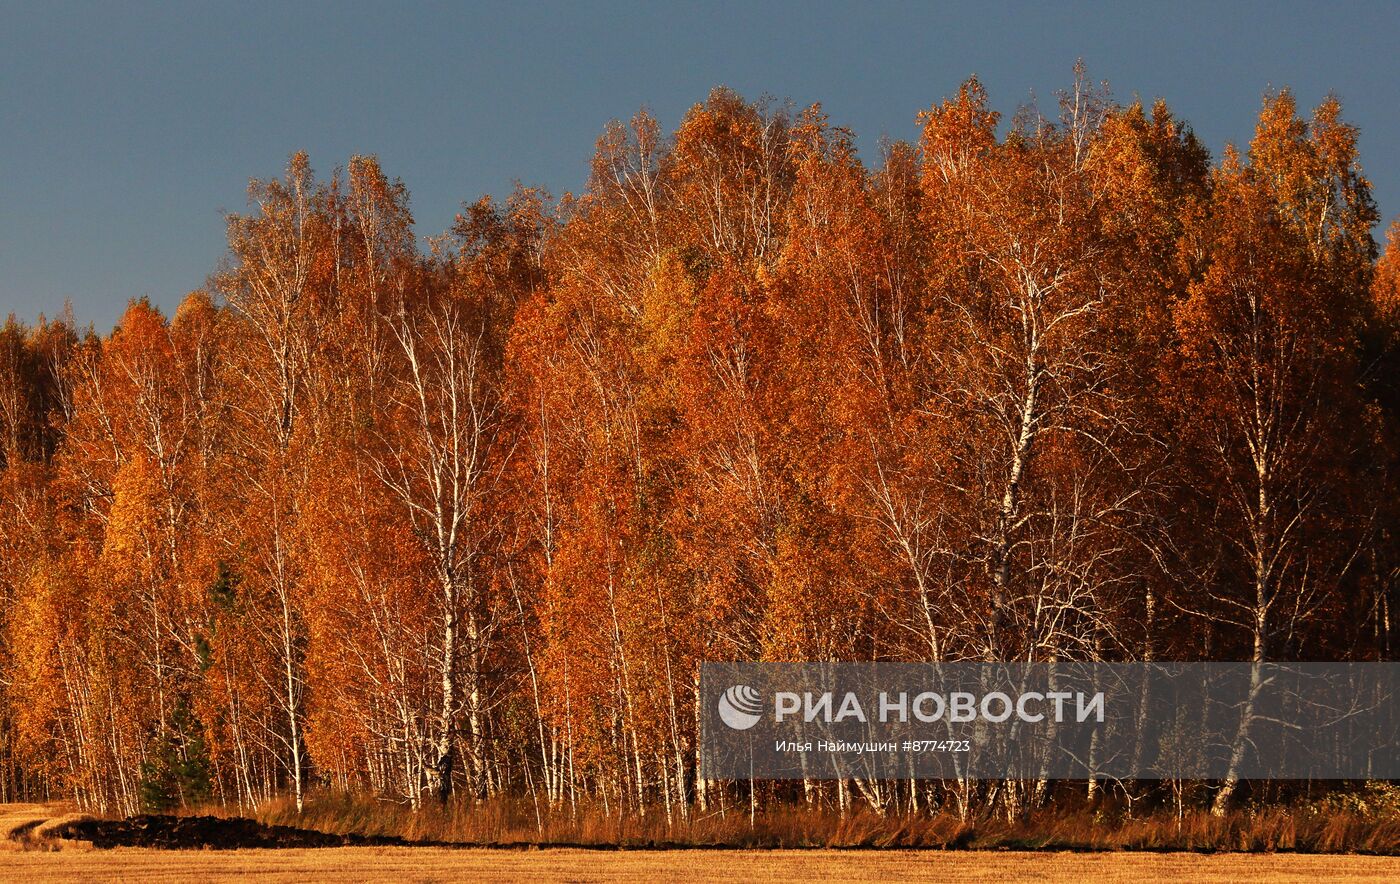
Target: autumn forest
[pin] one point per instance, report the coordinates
(459, 517)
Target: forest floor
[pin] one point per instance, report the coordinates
(39, 843)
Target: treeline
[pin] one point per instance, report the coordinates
(412, 521)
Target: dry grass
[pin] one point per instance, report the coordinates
(1308, 828)
(30, 826)
(33, 858)
(435, 864)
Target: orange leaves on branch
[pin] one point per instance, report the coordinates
(469, 517)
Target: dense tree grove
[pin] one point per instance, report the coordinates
(466, 518)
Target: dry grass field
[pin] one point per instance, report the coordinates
(34, 848)
(401, 864)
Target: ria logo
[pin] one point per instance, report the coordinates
(740, 707)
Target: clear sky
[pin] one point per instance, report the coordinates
(126, 129)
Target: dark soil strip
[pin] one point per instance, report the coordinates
(22, 831)
(232, 833)
(209, 832)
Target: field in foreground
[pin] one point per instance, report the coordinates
(404, 864)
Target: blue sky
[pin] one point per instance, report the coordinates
(127, 129)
